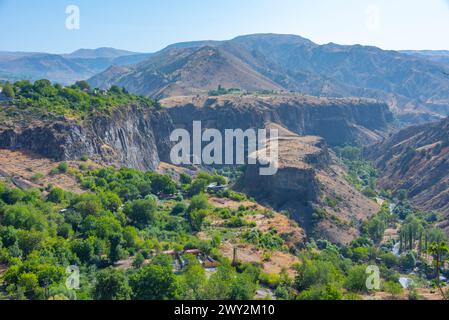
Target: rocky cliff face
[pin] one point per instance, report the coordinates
(139, 138)
(339, 121)
(128, 137)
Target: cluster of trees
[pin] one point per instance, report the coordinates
(222, 91)
(122, 217)
(418, 238)
(128, 184)
(78, 99)
(362, 173)
(42, 232)
(336, 273)
(156, 281)
(265, 240)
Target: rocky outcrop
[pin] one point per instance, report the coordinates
(338, 121)
(128, 137)
(140, 138)
(308, 176)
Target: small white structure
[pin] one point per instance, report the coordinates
(214, 187)
(406, 283)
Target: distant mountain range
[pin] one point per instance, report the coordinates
(415, 87)
(65, 68)
(415, 84)
(441, 56)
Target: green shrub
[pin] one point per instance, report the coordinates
(393, 288)
(56, 195)
(321, 292)
(12, 196)
(37, 176)
(63, 167)
(356, 280)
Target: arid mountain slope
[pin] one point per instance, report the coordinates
(417, 159)
(186, 71)
(415, 87)
(440, 56)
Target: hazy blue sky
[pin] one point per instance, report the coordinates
(149, 25)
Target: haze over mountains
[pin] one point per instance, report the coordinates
(64, 68)
(441, 56)
(415, 87)
(414, 84)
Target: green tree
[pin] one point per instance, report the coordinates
(196, 219)
(185, 179)
(111, 201)
(63, 167)
(30, 241)
(179, 209)
(56, 195)
(82, 85)
(402, 195)
(153, 282)
(8, 90)
(24, 216)
(84, 250)
(194, 279)
(116, 248)
(29, 284)
(407, 261)
(438, 251)
(142, 212)
(65, 230)
(139, 260)
(356, 280)
(198, 202)
(163, 260)
(111, 284)
(389, 259)
(12, 196)
(321, 292)
(162, 184)
(316, 272)
(198, 186)
(244, 287)
(393, 288)
(88, 205)
(376, 229)
(219, 286)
